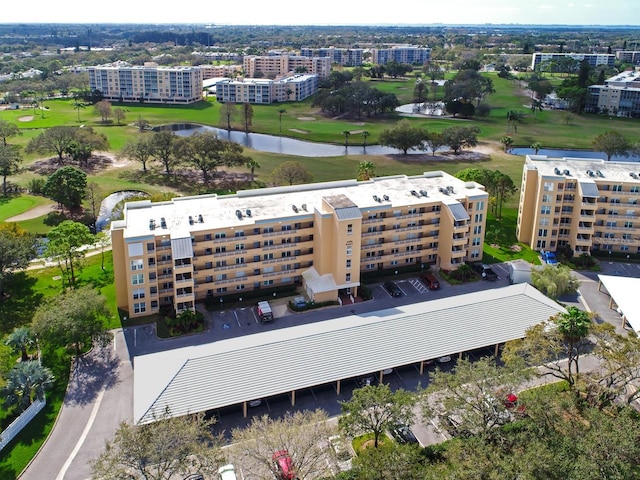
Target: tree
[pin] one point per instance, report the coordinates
(8, 130)
(64, 245)
(120, 114)
(103, 108)
(163, 149)
(375, 409)
(17, 249)
(75, 318)
(26, 382)
(612, 143)
(94, 197)
(346, 134)
(574, 327)
(458, 138)
(536, 146)
(366, 170)
(55, 139)
(207, 152)
(227, 112)
(252, 165)
(391, 461)
(67, 186)
(85, 142)
(281, 112)
(247, 116)
(170, 447)
(78, 103)
(403, 137)
(555, 281)
(502, 187)
(365, 134)
(21, 340)
(507, 141)
(10, 160)
(142, 124)
(290, 172)
(513, 118)
(434, 141)
(301, 434)
(471, 398)
(140, 150)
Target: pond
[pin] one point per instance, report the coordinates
(559, 153)
(287, 146)
(110, 202)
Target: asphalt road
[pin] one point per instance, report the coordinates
(100, 392)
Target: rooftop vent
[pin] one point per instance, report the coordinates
(450, 189)
(239, 214)
(424, 193)
(590, 173)
(375, 198)
(163, 222)
(414, 193)
(295, 209)
(443, 190)
(152, 224)
(566, 172)
(557, 171)
(190, 220)
(200, 219)
(304, 207)
(599, 173)
(248, 212)
(386, 198)
(633, 175)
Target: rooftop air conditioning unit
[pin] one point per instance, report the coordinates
(375, 198)
(414, 193)
(386, 198)
(190, 220)
(239, 214)
(163, 222)
(599, 173)
(247, 212)
(200, 219)
(557, 171)
(304, 207)
(295, 209)
(424, 193)
(567, 172)
(590, 173)
(633, 175)
(152, 224)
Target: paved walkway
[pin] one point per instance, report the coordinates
(99, 397)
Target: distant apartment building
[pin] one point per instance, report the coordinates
(122, 82)
(349, 57)
(585, 204)
(220, 71)
(293, 88)
(321, 237)
(628, 56)
(619, 96)
(410, 54)
(273, 66)
(594, 59)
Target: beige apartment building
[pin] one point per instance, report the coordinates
(585, 204)
(274, 66)
(122, 82)
(321, 237)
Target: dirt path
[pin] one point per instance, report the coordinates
(33, 213)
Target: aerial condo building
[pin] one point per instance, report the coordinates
(319, 236)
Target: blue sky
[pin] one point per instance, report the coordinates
(330, 12)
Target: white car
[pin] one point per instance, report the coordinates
(444, 359)
(227, 472)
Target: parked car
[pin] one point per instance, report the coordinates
(393, 289)
(299, 302)
(255, 403)
(444, 359)
(284, 465)
(403, 434)
(365, 380)
(485, 271)
(227, 472)
(430, 281)
(549, 257)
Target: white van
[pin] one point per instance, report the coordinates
(265, 314)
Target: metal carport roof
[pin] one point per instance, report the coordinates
(204, 377)
(623, 291)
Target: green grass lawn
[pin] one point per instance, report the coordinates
(12, 206)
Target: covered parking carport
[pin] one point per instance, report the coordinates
(235, 371)
(622, 297)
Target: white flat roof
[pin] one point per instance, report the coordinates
(227, 372)
(624, 291)
(268, 204)
(579, 168)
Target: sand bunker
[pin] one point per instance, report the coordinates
(27, 118)
(299, 131)
(306, 119)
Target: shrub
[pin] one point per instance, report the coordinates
(36, 185)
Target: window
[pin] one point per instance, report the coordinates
(135, 249)
(628, 224)
(207, 236)
(266, 283)
(349, 229)
(347, 277)
(239, 246)
(151, 247)
(154, 304)
(393, 262)
(286, 228)
(221, 263)
(548, 186)
(478, 218)
(544, 222)
(220, 235)
(617, 188)
(221, 249)
(477, 230)
(240, 287)
(349, 250)
(239, 233)
(542, 232)
(267, 256)
(267, 243)
(138, 293)
(545, 210)
(475, 253)
(221, 290)
(546, 198)
(137, 264)
(139, 307)
(476, 241)
(239, 260)
(137, 279)
(267, 230)
(479, 206)
(349, 263)
(634, 189)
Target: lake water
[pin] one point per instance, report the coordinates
(109, 203)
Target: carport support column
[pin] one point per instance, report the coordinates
(244, 409)
(460, 356)
(293, 398)
(421, 367)
(381, 376)
(497, 350)
(338, 387)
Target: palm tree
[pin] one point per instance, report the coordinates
(26, 382)
(20, 341)
(252, 165)
(507, 141)
(366, 170)
(574, 327)
(346, 134)
(536, 147)
(365, 134)
(281, 112)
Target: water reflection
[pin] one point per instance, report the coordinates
(284, 145)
